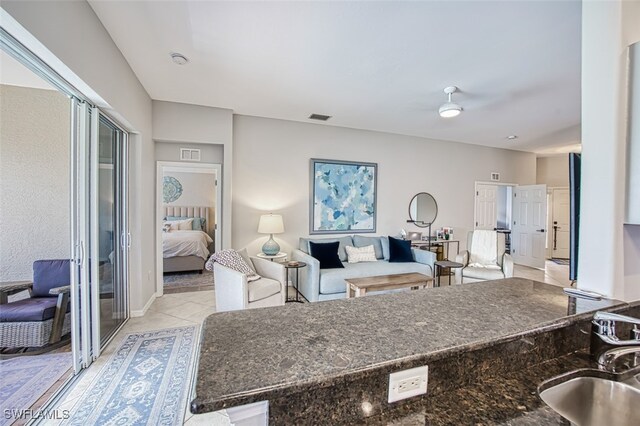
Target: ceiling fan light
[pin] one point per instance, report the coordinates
(450, 110)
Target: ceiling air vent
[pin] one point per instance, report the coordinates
(495, 176)
(319, 117)
(187, 154)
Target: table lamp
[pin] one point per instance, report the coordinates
(271, 224)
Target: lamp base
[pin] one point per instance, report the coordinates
(271, 248)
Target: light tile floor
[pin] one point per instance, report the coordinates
(181, 309)
(171, 310)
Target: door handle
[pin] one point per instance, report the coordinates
(540, 230)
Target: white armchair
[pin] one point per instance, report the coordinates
(502, 268)
(235, 292)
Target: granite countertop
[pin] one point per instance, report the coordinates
(255, 355)
(508, 399)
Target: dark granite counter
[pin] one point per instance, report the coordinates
(338, 354)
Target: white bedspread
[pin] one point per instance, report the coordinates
(185, 243)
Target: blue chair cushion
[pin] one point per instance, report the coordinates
(29, 310)
(48, 274)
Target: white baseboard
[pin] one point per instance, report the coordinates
(140, 313)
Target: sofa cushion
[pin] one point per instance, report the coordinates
(332, 280)
(400, 251)
(30, 310)
(361, 254)
(384, 241)
(360, 241)
(48, 274)
(326, 253)
(344, 241)
(263, 288)
(482, 273)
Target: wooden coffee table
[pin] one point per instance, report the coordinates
(357, 287)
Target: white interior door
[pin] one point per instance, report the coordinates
(486, 200)
(560, 218)
(528, 234)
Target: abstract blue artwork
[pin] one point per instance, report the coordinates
(343, 197)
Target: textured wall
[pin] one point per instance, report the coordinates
(34, 179)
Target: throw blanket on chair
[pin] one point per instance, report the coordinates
(484, 250)
(232, 260)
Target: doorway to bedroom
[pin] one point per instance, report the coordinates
(188, 223)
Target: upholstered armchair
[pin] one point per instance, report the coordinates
(485, 258)
(43, 318)
(235, 292)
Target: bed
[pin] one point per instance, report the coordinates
(187, 250)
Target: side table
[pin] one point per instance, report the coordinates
(442, 264)
(297, 266)
(280, 257)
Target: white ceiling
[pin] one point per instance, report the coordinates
(371, 65)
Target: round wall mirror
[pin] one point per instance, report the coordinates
(423, 209)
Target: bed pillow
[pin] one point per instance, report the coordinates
(361, 254)
(198, 224)
(182, 225)
(327, 254)
(400, 251)
(232, 260)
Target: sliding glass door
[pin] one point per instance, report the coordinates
(109, 233)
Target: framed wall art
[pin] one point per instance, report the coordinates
(342, 197)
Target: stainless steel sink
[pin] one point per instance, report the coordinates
(594, 401)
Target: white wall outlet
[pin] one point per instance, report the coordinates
(407, 383)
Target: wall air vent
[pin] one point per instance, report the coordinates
(495, 176)
(319, 117)
(187, 154)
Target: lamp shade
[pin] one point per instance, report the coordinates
(271, 224)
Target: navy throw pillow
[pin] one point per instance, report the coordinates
(400, 251)
(327, 254)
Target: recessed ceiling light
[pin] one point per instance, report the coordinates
(179, 58)
(512, 137)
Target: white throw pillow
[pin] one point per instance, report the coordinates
(361, 254)
(181, 225)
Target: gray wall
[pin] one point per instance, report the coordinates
(553, 171)
(209, 153)
(271, 174)
(34, 179)
(198, 189)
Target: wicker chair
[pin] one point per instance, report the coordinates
(42, 319)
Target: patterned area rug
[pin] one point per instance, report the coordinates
(25, 379)
(146, 381)
(560, 261)
(186, 281)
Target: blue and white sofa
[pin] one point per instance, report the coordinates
(326, 284)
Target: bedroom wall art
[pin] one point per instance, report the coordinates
(171, 189)
(343, 197)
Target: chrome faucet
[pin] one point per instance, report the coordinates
(604, 338)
